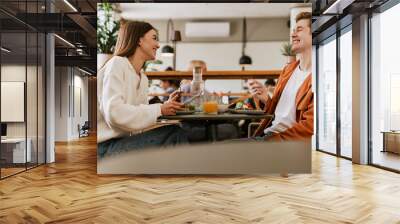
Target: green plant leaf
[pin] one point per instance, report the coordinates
(106, 30)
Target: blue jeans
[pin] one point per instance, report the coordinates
(161, 137)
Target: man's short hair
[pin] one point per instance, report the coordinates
(195, 63)
(270, 82)
(172, 82)
(304, 15)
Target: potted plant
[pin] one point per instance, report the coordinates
(148, 65)
(287, 51)
(107, 33)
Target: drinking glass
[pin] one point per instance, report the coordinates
(210, 104)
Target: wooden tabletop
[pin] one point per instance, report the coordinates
(225, 116)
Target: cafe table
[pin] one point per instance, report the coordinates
(211, 120)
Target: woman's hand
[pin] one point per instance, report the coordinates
(258, 90)
(174, 96)
(170, 107)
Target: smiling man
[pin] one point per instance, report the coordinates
(293, 100)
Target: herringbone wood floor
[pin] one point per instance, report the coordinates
(70, 191)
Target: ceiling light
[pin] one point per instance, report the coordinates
(70, 5)
(244, 60)
(5, 50)
(167, 51)
(64, 40)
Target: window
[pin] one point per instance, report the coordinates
(22, 67)
(327, 96)
(385, 89)
(346, 93)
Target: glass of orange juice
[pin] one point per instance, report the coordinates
(210, 104)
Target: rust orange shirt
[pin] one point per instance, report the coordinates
(304, 126)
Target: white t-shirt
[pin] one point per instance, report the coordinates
(285, 112)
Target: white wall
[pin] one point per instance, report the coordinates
(61, 103)
(70, 83)
(266, 55)
(258, 29)
(79, 117)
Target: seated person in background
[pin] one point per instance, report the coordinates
(169, 68)
(169, 86)
(155, 88)
(293, 100)
(196, 131)
(195, 63)
(270, 86)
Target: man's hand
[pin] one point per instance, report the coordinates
(170, 107)
(258, 90)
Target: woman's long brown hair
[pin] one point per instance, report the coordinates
(129, 35)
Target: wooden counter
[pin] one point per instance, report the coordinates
(248, 74)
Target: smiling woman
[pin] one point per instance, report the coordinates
(125, 119)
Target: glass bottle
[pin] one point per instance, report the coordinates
(197, 87)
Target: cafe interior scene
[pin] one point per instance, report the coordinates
(204, 75)
(210, 57)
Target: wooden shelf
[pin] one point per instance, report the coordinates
(255, 74)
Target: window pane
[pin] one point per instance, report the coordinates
(15, 150)
(327, 97)
(345, 94)
(31, 97)
(385, 84)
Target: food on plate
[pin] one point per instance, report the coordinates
(189, 107)
(246, 104)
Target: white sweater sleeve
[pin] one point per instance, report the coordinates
(119, 114)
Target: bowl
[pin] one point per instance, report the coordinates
(222, 108)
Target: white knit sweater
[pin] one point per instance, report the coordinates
(122, 101)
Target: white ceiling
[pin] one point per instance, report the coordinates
(205, 10)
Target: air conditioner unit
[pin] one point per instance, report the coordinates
(207, 29)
